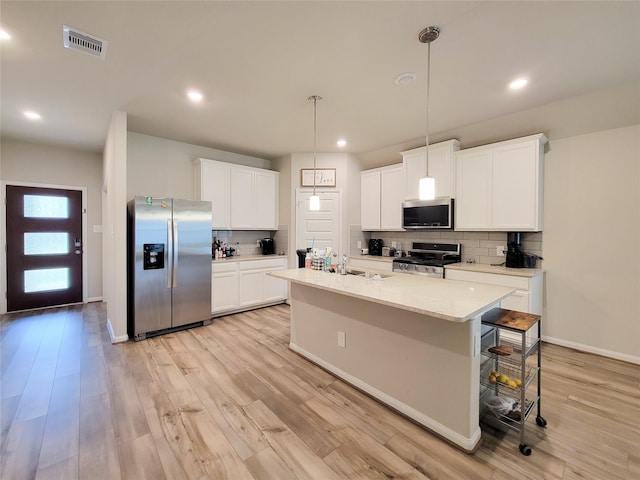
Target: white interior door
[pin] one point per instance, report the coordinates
(322, 225)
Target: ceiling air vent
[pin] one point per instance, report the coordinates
(78, 40)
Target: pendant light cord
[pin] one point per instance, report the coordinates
(427, 119)
(315, 134)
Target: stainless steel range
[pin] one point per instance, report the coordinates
(428, 259)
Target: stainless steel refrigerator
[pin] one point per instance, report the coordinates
(169, 270)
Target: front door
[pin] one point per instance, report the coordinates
(44, 247)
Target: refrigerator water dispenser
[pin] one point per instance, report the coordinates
(153, 256)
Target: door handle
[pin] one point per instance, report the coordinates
(169, 253)
(77, 243)
(175, 253)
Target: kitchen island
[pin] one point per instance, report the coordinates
(411, 342)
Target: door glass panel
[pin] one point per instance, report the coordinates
(45, 206)
(46, 279)
(46, 243)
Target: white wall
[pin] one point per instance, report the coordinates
(591, 242)
(159, 167)
(114, 236)
(54, 165)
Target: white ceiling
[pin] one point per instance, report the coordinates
(257, 62)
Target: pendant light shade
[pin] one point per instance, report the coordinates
(427, 186)
(314, 200)
(427, 190)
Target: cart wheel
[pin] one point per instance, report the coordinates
(525, 449)
(541, 421)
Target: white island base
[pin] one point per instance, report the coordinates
(424, 366)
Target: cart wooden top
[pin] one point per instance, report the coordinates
(512, 319)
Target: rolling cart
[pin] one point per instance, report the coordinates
(510, 370)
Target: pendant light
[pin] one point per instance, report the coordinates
(314, 200)
(427, 187)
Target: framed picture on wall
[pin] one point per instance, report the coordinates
(325, 177)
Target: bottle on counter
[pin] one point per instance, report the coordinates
(237, 249)
(307, 260)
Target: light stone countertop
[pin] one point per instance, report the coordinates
(375, 258)
(502, 270)
(454, 301)
(246, 258)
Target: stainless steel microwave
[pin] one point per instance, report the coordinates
(428, 214)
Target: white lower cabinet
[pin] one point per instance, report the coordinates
(224, 287)
(527, 297)
(274, 288)
(243, 285)
(252, 291)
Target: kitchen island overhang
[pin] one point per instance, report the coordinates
(412, 343)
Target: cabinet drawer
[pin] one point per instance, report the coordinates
(521, 283)
(224, 266)
(275, 263)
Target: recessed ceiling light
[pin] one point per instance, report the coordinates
(31, 115)
(405, 78)
(342, 142)
(194, 95)
(518, 83)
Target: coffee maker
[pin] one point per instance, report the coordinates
(515, 255)
(375, 246)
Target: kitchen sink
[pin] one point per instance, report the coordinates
(362, 273)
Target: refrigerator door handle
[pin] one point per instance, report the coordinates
(175, 253)
(169, 253)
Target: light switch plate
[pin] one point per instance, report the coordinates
(342, 339)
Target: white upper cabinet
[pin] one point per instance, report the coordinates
(243, 198)
(265, 183)
(499, 186)
(381, 196)
(370, 200)
(442, 167)
(213, 183)
(473, 199)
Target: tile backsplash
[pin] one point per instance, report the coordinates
(477, 246)
(245, 240)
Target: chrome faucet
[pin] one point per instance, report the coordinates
(343, 265)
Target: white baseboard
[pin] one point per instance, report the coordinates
(114, 339)
(94, 299)
(467, 444)
(595, 350)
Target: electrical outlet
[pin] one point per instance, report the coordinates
(393, 244)
(500, 250)
(342, 339)
(359, 244)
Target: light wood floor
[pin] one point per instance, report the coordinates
(231, 401)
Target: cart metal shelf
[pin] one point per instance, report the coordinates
(511, 375)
